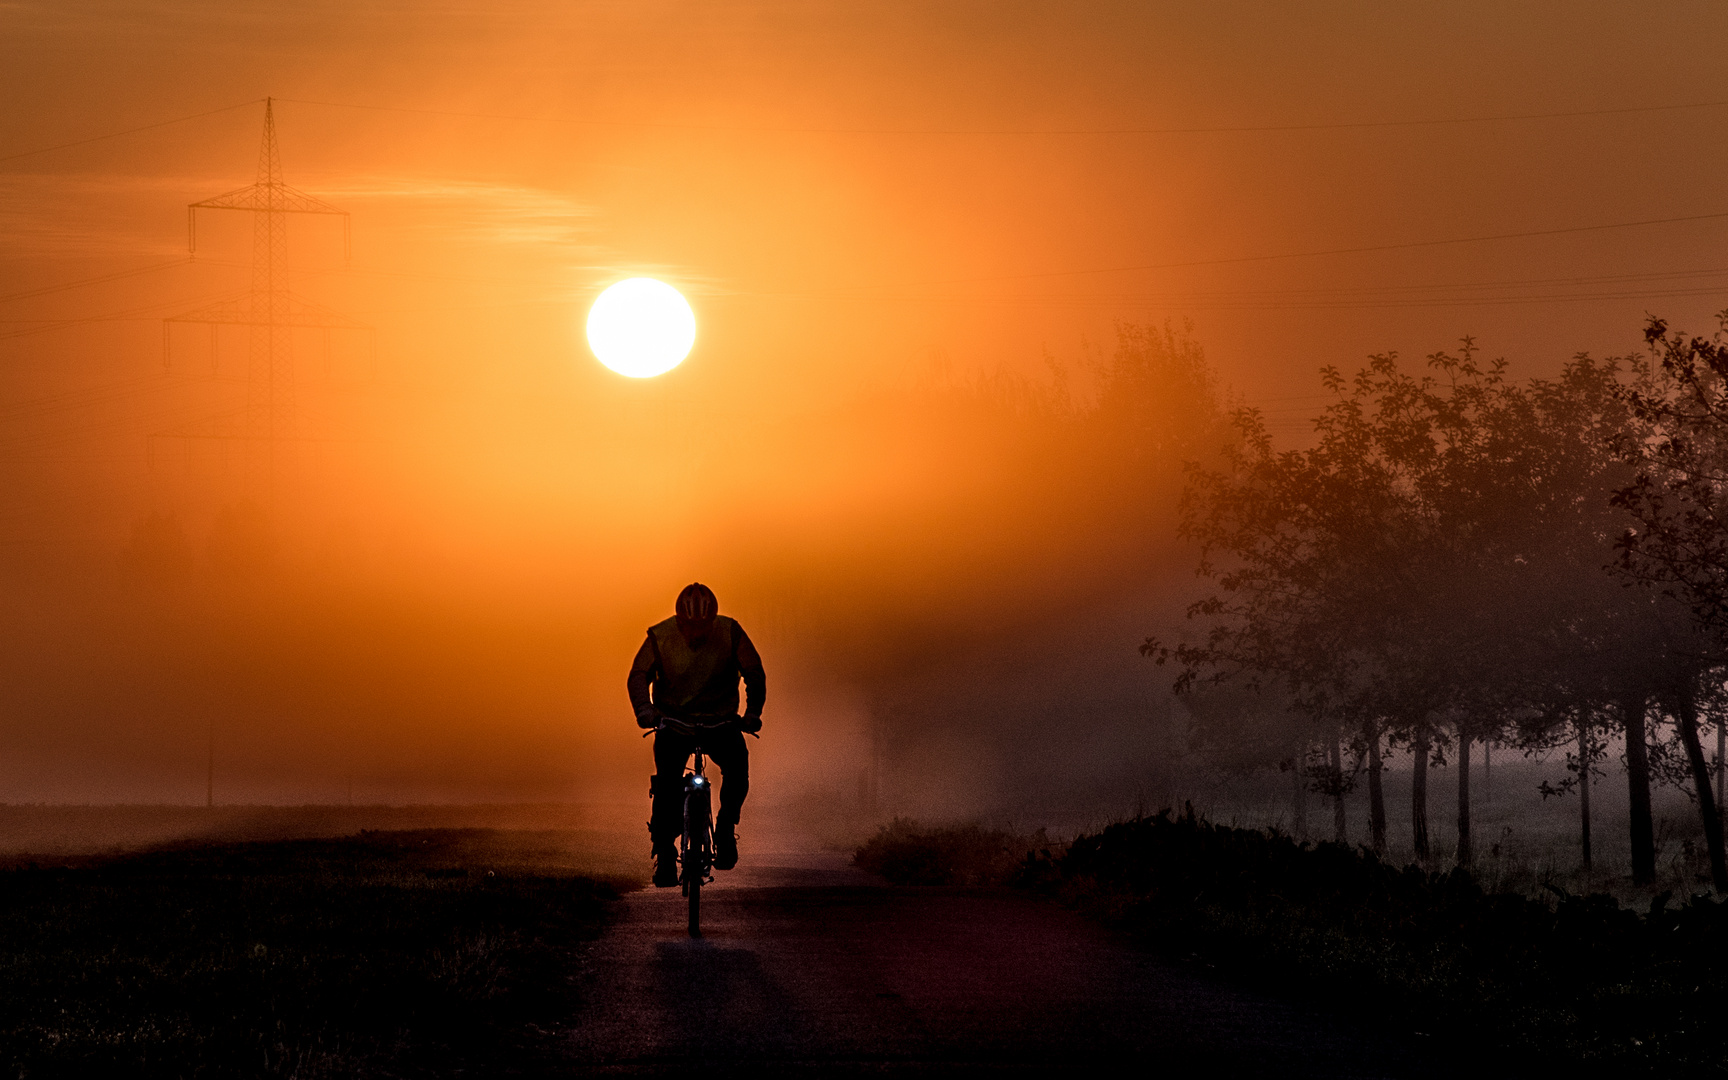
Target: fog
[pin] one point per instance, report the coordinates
(951, 556)
(922, 451)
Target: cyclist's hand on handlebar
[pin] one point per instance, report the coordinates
(750, 725)
(648, 719)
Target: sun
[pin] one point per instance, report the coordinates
(641, 327)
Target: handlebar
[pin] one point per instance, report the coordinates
(691, 727)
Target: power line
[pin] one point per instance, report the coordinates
(1660, 275)
(493, 281)
(99, 279)
(1193, 130)
(721, 294)
(1436, 302)
(124, 315)
(1220, 129)
(81, 398)
(1271, 299)
(128, 131)
(1205, 303)
(1364, 249)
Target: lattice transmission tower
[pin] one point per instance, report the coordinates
(270, 309)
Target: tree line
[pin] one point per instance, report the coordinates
(1461, 558)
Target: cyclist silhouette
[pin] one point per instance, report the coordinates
(688, 669)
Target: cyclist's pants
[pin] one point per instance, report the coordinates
(726, 751)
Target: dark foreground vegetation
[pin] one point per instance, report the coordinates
(907, 853)
(1577, 984)
(392, 954)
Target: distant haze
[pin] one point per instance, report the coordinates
(892, 453)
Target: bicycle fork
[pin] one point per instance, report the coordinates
(698, 830)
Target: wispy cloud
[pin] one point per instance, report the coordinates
(477, 210)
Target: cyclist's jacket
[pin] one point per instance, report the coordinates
(680, 680)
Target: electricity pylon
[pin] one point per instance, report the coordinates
(270, 309)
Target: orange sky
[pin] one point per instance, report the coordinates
(861, 201)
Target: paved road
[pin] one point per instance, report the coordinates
(811, 968)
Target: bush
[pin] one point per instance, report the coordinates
(908, 854)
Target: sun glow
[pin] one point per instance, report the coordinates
(641, 327)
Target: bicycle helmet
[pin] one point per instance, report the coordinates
(697, 604)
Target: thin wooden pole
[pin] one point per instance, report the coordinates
(1584, 786)
(1721, 732)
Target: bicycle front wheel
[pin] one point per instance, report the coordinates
(698, 834)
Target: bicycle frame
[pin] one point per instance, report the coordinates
(696, 845)
(697, 854)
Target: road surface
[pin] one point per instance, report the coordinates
(810, 968)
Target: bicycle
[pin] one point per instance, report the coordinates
(696, 845)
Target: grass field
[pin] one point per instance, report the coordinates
(387, 953)
(1523, 842)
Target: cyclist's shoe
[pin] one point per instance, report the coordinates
(725, 848)
(665, 866)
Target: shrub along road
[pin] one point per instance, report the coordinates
(809, 967)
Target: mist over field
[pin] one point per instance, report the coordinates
(972, 283)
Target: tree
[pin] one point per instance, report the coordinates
(1678, 443)
(1324, 571)
(1581, 763)
(1523, 478)
(1433, 571)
